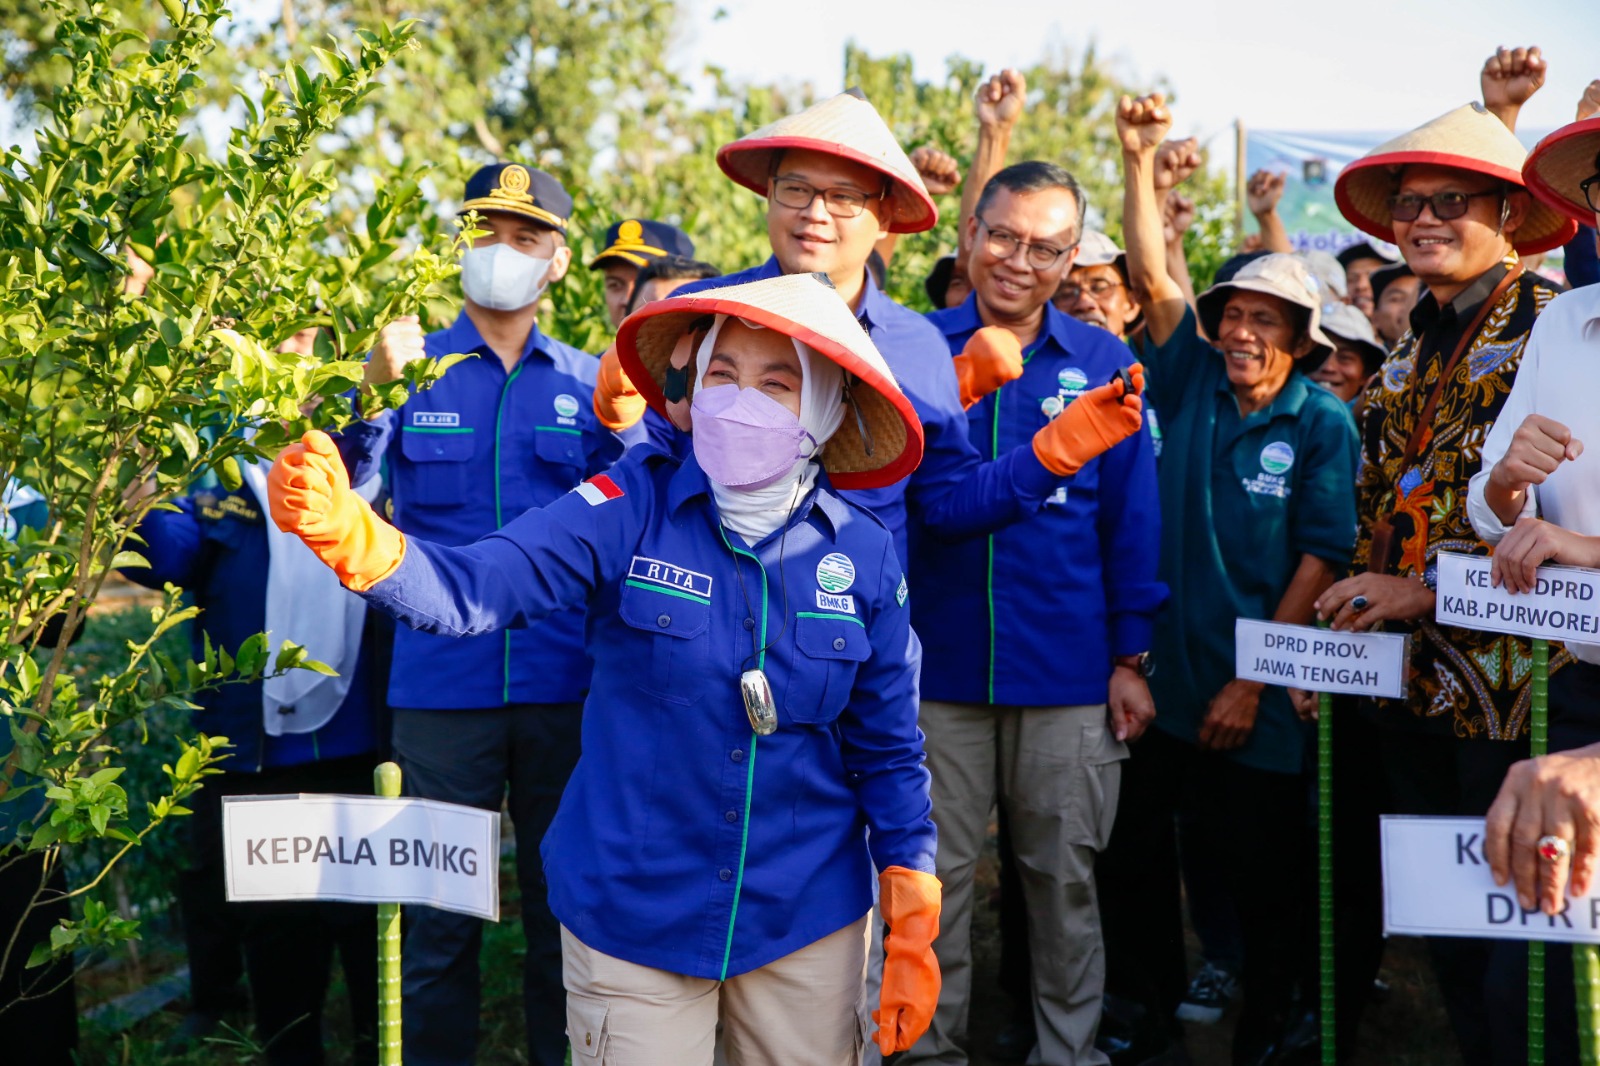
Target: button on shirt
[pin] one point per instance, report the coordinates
(996, 613)
(464, 458)
(684, 841)
(1559, 379)
(952, 492)
(1243, 497)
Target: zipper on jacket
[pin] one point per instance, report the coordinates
(750, 770)
(499, 521)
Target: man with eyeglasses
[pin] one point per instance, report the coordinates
(1450, 195)
(1033, 637)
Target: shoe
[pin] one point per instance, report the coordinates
(1130, 1036)
(192, 1032)
(1208, 995)
(1015, 1040)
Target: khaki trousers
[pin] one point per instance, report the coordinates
(805, 1009)
(1057, 770)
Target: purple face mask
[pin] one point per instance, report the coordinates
(744, 439)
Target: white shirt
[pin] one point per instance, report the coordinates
(1560, 379)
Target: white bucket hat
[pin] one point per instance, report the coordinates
(845, 126)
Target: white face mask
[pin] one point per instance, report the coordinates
(500, 277)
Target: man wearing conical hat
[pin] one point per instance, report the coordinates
(1451, 196)
(1257, 518)
(750, 742)
(1537, 499)
(836, 181)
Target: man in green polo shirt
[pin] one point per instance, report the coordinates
(1258, 515)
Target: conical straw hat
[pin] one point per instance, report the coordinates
(1468, 138)
(879, 442)
(846, 126)
(1562, 160)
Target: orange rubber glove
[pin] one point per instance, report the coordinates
(308, 492)
(1091, 424)
(910, 904)
(992, 357)
(617, 404)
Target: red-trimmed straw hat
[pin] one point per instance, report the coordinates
(850, 128)
(1562, 160)
(1468, 138)
(880, 440)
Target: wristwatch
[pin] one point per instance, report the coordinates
(1140, 664)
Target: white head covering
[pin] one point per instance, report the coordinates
(754, 513)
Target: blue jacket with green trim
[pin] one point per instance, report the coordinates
(1032, 615)
(684, 841)
(463, 459)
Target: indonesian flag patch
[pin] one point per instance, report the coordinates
(598, 490)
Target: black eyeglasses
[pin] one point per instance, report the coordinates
(1407, 206)
(1096, 289)
(1591, 191)
(1003, 245)
(841, 203)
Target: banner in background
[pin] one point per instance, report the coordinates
(1310, 162)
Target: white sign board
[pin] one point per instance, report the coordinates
(1436, 882)
(1320, 660)
(363, 849)
(1564, 605)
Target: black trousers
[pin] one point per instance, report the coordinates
(1574, 723)
(41, 1029)
(471, 757)
(1253, 821)
(288, 947)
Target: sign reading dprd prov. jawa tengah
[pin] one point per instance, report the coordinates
(1320, 660)
(363, 849)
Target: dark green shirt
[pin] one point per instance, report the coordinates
(1243, 498)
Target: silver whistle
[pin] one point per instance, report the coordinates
(759, 705)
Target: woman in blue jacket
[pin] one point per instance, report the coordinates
(754, 704)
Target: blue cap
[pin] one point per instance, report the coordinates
(514, 189)
(639, 240)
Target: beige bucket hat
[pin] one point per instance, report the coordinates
(1468, 138)
(1341, 322)
(846, 126)
(1284, 276)
(879, 442)
(1563, 159)
(1096, 249)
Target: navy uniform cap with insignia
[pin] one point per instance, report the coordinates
(514, 189)
(639, 240)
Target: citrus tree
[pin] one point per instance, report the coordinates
(144, 289)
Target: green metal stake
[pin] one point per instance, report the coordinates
(1586, 978)
(1325, 867)
(1538, 727)
(386, 783)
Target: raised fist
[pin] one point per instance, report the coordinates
(1143, 123)
(938, 170)
(399, 343)
(1175, 161)
(1177, 215)
(1263, 192)
(1589, 103)
(1000, 99)
(1511, 76)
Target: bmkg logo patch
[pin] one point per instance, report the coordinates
(1277, 458)
(835, 572)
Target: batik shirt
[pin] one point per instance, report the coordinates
(1463, 681)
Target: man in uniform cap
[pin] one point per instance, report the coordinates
(1359, 261)
(509, 430)
(631, 245)
(1450, 194)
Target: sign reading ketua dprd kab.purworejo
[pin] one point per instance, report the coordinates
(1564, 603)
(363, 849)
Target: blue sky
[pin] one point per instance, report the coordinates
(1366, 65)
